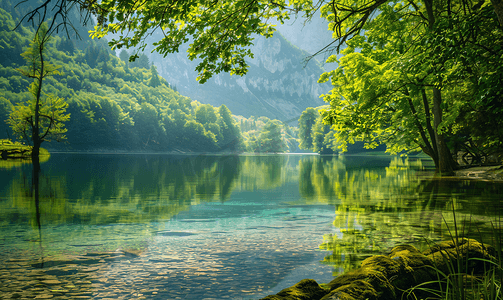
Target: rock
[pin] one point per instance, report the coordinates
(51, 282)
(44, 296)
(358, 289)
(446, 253)
(387, 277)
(367, 280)
(306, 289)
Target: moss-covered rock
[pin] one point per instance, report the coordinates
(358, 289)
(306, 289)
(391, 276)
(350, 282)
(465, 253)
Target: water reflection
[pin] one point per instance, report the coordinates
(380, 207)
(101, 190)
(170, 210)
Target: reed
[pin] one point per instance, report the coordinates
(457, 280)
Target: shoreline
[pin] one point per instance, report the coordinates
(491, 173)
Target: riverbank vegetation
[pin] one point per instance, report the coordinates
(414, 76)
(17, 150)
(418, 76)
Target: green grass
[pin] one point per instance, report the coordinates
(18, 149)
(457, 284)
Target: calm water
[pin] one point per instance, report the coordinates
(218, 227)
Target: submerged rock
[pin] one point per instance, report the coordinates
(392, 276)
(306, 289)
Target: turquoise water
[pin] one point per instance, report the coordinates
(217, 227)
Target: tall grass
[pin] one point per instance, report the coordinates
(455, 282)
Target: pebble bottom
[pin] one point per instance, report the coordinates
(242, 265)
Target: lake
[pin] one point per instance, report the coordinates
(219, 227)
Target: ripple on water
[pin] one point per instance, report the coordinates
(174, 233)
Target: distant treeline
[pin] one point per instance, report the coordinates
(318, 137)
(120, 105)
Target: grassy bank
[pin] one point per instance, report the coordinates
(16, 150)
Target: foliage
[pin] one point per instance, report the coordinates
(306, 121)
(40, 118)
(456, 280)
(113, 104)
(265, 135)
(406, 78)
(154, 80)
(320, 137)
(220, 35)
(269, 139)
(413, 76)
(52, 117)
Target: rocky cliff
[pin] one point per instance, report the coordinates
(278, 85)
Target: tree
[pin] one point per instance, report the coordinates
(124, 56)
(205, 114)
(140, 61)
(399, 82)
(232, 139)
(306, 122)
(40, 118)
(220, 32)
(194, 132)
(154, 80)
(270, 139)
(146, 122)
(408, 105)
(5, 108)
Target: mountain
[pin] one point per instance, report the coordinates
(312, 35)
(116, 105)
(278, 85)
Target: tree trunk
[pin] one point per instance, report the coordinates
(445, 165)
(498, 9)
(35, 131)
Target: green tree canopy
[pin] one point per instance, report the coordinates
(220, 32)
(154, 80)
(270, 139)
(205, 114)
(41, 118)
(407, 73)
(306, 122)
(232, 139)
(413, 76)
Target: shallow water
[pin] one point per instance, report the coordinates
(218, 227)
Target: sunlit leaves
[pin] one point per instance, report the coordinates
(220, 32)
(52, 115)
(41, 117)
(396, 54)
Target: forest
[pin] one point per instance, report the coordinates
(118, 105)
(411, 75)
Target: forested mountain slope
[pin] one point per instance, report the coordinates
(124, 106)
